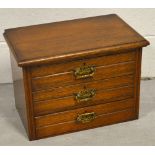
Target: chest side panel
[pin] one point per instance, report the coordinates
(22, 93)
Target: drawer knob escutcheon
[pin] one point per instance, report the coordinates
(84, 72)
(86, 117)
(85, 95)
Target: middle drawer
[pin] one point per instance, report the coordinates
(69, 90)
(82, 99)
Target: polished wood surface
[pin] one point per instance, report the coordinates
(47, 90)
(137, 80)
(67, 127)
(23, 97)
(75, 38)
(44, 107)
(69, 90)
(48, 69)
(71, 115)
(102, 72)
(18, 85)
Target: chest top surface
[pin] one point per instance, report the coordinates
(53, 41)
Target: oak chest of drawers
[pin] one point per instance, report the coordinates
(75, 75)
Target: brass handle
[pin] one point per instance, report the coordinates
(85, 95)
(84, 72)
(86, 117)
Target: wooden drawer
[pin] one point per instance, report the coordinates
(102, 96)
(84, 118)
(69, 90)
(44, 70)
(67, 78)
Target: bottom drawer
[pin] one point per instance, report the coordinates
(84, 118)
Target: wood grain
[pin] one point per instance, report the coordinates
(72, 126)
(69, 39)
(72, 115)
(137, 81)
(23, 100)
(45, 86)
(68, 78)
(49, 69)
(69, 90)
(61, 104)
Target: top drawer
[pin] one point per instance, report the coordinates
(83, 71)
(45, 70)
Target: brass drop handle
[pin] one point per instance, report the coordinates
(84, 72)
(85, 95)
(86, 117)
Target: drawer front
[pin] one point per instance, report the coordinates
(85, 118)
(44, 70)
(71, 102)
(102, 72)
(72, 115)
(59, 92)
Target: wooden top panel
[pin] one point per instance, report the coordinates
(75, 38)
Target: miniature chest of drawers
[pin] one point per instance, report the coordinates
(75, 75)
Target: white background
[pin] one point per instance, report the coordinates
(142, 20)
